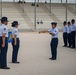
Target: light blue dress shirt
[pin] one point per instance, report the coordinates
(55, 32)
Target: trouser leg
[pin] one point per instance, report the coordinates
(0, 56)
(15, 51)
(65, 39)
(0, 51)
(54, 48)
(73, 39)
(4, 55)
(51, 45)
(14, 54)
(69, 40)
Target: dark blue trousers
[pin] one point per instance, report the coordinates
(54, 44)
(69, 39)
(15, 50)
(73, 39)
(65, 39)
(0, 51)
(3, 53)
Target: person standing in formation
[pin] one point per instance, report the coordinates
(15, 42)
(69, 34)
(65, 33)
(3, 43)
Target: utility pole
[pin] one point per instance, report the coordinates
(61, 1)
(50, 6)
(35, 16)
(23, 6)
(66, 10)
(0, 9)
(75, 6)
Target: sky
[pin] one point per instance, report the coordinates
(53, 1)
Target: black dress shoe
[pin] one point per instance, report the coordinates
(72, 47)
(69, 47)
(16, 62)
(52, 58)
(5, 68)
(64, 46)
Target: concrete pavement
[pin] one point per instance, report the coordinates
(34, 57)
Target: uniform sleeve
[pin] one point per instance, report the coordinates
(66, 28)
(55, 31)
(4, 30)
(70, 29)
(15, 32)
(50, 30)
(75, 27)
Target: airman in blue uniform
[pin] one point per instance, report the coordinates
(69, 34)
(3, 43)
(65, 33)
(54, 42)
(15, 42)
(73, 26)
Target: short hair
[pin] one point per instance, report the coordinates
(13, 25)
(73, 20)
(69, 23)
(54, 23)
(2, 21)
(64, 22)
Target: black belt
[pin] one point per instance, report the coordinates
(69, 33)
(73, 31)
(54, 38)
(16, 38)
(6, 37)
(64, 32)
